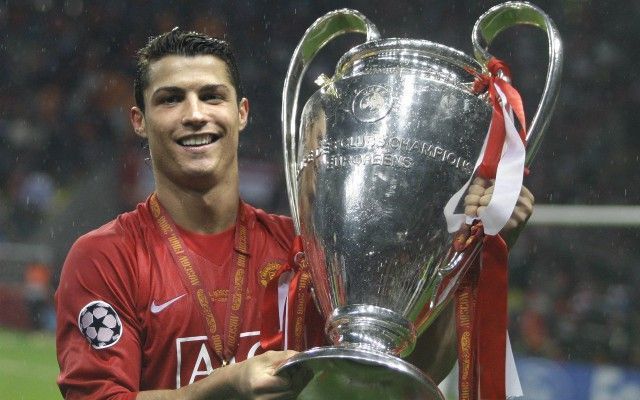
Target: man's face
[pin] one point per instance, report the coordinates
(192, 120)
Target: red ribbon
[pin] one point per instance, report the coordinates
(465, 303)
(491, 316)
(271, 336)
(481, 320)
(497, 132)
(481, 299)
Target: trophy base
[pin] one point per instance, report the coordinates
(337, 372)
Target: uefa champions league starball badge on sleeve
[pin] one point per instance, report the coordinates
(383, 147)
(100, 324)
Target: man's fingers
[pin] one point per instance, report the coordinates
(520, 215)
(273, 385)
(278, 358)
(511, 224)
(471, 199)
(279, 383)
(527, 194)
(489, 190)
(485, 199)
(476, 189)
(472, 202)
(481, 182)
(471, 211)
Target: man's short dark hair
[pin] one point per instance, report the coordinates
(182, 43)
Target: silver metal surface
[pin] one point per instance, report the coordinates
(321, 32)
(382, 147)
(356, 374)
(382, 152)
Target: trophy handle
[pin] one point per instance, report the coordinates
(504, 16)
(323, 30)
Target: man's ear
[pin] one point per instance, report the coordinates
(137, 121)
(243, 112)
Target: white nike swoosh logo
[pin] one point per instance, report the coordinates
(156, 308)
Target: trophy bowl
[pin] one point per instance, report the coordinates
(383, 146)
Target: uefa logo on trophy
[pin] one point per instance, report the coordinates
(381, 149)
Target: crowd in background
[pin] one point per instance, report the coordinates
(66, 88)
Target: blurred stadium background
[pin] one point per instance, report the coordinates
(69, 162)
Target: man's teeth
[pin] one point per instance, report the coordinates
(197, 140)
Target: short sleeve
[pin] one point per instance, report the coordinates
(98, 333)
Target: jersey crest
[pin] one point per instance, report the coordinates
(268, 271)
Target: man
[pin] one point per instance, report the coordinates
(191, 109)
(164, 301)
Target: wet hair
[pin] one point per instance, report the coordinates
(182, 43)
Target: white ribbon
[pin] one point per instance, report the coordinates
(507, 186)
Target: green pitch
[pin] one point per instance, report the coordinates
(28, 366)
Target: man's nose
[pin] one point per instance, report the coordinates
(194, 114)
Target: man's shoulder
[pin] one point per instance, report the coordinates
(122, 231)
(278, 226)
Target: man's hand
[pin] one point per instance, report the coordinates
(479, 195)
(255, 378)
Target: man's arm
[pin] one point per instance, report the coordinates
(251, 379)
(435, 352)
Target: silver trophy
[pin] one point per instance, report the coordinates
(382, 147)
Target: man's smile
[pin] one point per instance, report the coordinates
(198, 140)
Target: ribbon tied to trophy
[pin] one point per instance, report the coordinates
(484, 356)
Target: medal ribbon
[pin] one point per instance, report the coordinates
(465, 307)
(189, 268)
(465, 312)
(481, 300)
(291, 334)
(481, 320)
(491, 318)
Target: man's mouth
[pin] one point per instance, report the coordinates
(198, 140)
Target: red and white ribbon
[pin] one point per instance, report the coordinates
(502, 158)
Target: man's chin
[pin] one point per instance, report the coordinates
(202, 178)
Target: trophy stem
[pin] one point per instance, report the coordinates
(371, 327)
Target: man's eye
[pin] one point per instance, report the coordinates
(170, 99)
(212, 97)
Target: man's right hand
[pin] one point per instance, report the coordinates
(252, 379)
(255, 378)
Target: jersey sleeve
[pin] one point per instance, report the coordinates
(98, 333)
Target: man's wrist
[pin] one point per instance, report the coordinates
(220, 384)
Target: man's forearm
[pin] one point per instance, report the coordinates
(215, 386)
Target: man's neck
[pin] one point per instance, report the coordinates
(210, 211)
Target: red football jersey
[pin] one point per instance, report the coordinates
(127, 323)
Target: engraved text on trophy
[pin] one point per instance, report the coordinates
(381, 150)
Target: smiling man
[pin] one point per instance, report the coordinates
(153, 304)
